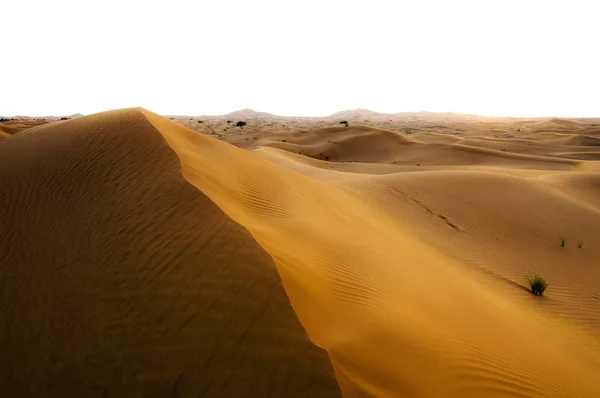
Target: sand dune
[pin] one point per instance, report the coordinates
(15, 126)
(436, 138)
(396, 316)
(472, 217)
(556, 124)
(146, 258)
(568, 139)
(121, 279)
(348, 144)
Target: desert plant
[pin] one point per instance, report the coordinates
(537, 284)
(580, 244)
(283, 140)
(562, 241)
(240, 124)
(343, 122)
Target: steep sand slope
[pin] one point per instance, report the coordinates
(119, 279)
(397, 317)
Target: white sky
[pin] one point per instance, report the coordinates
(305, 57)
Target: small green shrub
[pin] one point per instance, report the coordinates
(537, 284)
(240, 124)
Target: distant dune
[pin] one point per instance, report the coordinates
(556, 124)
(348, 144)
(368, 115)
(358, 114)
(238, 115)
(144, 258)
(15, 126)
(249, 114)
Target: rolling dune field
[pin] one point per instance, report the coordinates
(143, 256)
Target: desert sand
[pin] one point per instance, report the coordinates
(143, 256)
(14, 126)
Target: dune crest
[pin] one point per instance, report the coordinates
(397, 317)
(119, 278)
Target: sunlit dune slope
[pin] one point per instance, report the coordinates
(120, 279)
(506, 226)
(398, 316)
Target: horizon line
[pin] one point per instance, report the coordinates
(376, 113)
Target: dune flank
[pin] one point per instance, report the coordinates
(119, 278)
(396, 316)
(146, 258)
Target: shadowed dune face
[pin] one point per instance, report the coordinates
(119, 278)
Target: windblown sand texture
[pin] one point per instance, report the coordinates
(383, 259)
